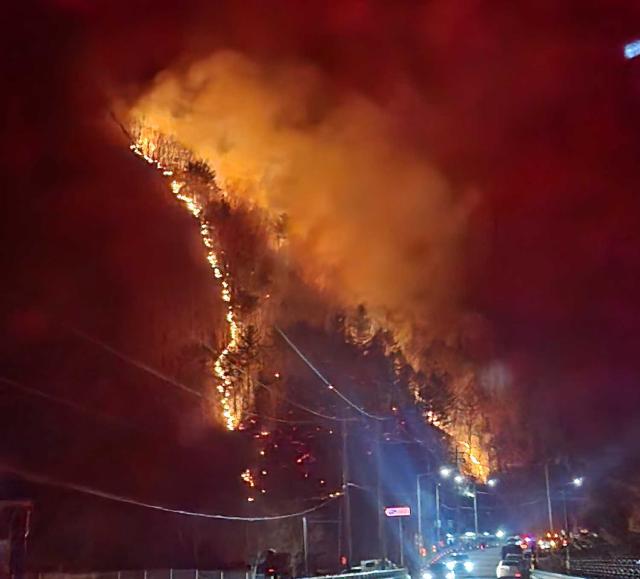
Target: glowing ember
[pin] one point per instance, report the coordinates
(247, 477)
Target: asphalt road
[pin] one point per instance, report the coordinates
(485, 563)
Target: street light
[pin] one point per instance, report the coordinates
(492, 482)
(419, 500)
(459, 479)
(576, 482)
(445, 471)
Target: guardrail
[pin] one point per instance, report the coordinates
(381, 574)
(147, 574)
(199, 574)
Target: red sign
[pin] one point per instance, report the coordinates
(397, 511)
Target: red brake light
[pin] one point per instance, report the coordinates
(518, 575)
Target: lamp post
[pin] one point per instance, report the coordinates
(491, 483)
(419, 501)
(475, 508)
(444, 472)
(576, 482)
(549, 508)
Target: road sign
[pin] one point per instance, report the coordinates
(397, 511)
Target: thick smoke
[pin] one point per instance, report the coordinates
(370, 219)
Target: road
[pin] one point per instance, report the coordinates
(485, 563)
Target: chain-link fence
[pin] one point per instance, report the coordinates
(603, 568)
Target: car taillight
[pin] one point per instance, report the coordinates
(518, 575)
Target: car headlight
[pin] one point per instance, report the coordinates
(451, 565)
(427, 575)
(468, 566)
(450, 575)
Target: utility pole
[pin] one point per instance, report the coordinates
(438, 520)
(305, 545)
(401, 538)
(419, 504)
(419, 501)
(382, 547)
(549, 509)
(345, 490)
(19, 531)
(566, 514)
(475, 508)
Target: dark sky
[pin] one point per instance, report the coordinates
(530, 105)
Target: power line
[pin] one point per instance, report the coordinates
(45, 480)
(171, 381)
(324, 380)
(303, 407)
(283, 420)
(293, 403)
(137, 363)
(30, 391)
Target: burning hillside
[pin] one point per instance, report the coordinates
(252, 283)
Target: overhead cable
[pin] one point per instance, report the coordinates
(137, 363)
(46, 480)
(322, 378)
(171, 381)
(30, 391)
(303, 407)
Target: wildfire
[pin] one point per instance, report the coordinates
(477, 461)
(145, 146)
(176, 164)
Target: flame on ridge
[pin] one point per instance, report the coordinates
(145, 146)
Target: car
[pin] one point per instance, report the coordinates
(459, 563)
(438, 570)
(511, 548)
(377, 565)
(510, 566)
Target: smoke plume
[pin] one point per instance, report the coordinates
(370, 220)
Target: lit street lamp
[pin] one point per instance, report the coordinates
(577, 482)
(445, 472)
